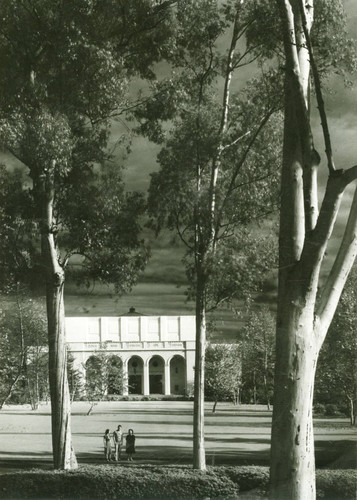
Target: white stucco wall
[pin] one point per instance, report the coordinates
(132, 335)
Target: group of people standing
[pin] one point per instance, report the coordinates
(117, 438)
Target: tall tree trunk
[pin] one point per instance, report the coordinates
(303, 315)
(36, 391)
(199, 456)
(63, 453)
(292, 471)
(266, 390)
(352, 410)
(254, 388)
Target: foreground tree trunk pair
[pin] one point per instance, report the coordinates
(304, 311)
(63, 453)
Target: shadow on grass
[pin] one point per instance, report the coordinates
(336, 454)
(341, 455)
(175, 455)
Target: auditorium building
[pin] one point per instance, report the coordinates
(156, 353)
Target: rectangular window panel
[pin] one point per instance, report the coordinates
(94, 330)
(173, 326)
(133, 328)
(113, 329)
(154, 329)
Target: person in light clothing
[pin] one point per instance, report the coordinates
(118, 442)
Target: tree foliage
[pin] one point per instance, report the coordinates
(23, 353)
(336, 376)
(258, 356)
(223, 374)
(334, 49)
(306, 301)
(65, 68)
(19, 251)
(215, 176)
(104, 374)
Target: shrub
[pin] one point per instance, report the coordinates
(161, 482)
(113, 482)
(333, 410)
(319, 409)
(336, 484)
(248, 478)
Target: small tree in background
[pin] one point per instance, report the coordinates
(75, 378)
(36, 370)
(336, 373)
(23, 336)
(258, 354)
(102, 374)
(223, 373)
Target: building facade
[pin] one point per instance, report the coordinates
(155, 353)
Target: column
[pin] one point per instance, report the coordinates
(125, 378)
(167, 378)
(146, 378)
(100, 330)
(190, 367)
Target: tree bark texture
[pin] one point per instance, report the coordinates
(199, 455)
(292, 454)
(63, 453)
(304, 315)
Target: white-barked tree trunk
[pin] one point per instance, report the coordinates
(305, 307)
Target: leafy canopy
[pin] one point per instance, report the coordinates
(65, 75)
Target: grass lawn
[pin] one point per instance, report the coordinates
(234, 435)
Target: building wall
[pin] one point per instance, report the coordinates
(142, 336)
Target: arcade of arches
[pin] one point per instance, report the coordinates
(133, 353)
(134, 376)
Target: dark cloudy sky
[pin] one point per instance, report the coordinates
(341, 107)
(158, 292)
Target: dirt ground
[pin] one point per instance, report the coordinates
(234, 435)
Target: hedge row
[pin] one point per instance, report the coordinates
(151, 482)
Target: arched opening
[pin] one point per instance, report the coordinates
(115, 375)
(156, 375)
(178, 375)
(135, 375)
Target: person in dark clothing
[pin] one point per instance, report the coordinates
(130, 444)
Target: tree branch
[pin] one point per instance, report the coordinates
(350, 175)
(216, 163)
(235, 141)
(338, 275)
(239, 166)
(316, 242)
(181, 233)
(317, 82)
(298, 70)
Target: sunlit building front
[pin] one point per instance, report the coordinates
(155, 353)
